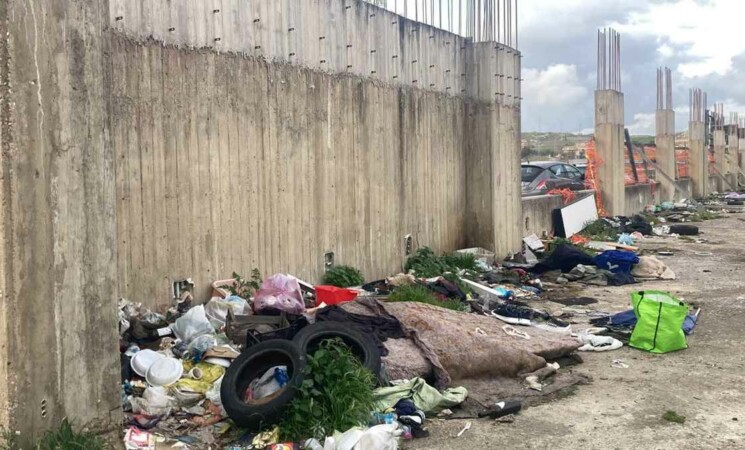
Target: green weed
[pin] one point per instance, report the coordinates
(336, 395)
(420, 294)
(343, 277)
(245, 288)
(672, 416)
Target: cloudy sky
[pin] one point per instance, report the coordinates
(700, 40)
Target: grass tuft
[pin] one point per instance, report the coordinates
(420, 294)
(672, 416)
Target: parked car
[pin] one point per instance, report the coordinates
(538, 178)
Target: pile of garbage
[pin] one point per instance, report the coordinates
(255, 366)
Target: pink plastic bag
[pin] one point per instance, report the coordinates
(280, 292)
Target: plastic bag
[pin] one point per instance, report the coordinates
(280, 292)
(192, 324)
(155, 401)
(659, 321)
(217, 309)
(213, 395)
(269, 383)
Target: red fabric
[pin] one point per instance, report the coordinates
(332, 295)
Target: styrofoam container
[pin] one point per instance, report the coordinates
(164, 372)
(143, 359)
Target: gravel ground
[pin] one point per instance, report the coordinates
(623, 408)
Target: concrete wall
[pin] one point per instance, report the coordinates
(59, 354)
(225, 163)
(339, 36)
(537, 212)
(163, 147)
(229, 159)
(687, 186)
(640, 195)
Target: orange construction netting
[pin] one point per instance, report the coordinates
(591, 175)
(568, 195)
(682, 162)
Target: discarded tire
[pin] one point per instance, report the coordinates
(252, 364)
(684, 230)
(310, 337)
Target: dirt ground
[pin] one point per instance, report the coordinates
(623, 408)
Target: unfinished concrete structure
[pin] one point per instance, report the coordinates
(609, 123)
(733, 149)
(698, 153)
(719, 144)
(665, 135)
(144, 142)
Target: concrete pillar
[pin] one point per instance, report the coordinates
(720, 161)
(609, 138)
(665, 141)
(740, 157)
(58, 322)
(493, 199)
(733, 149)
(698, 160)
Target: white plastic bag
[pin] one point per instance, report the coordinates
(155, 401)
(217, 309)
(192, 324)
(280, 292)
(380, 437)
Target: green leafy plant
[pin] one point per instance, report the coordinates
(465, 261)
(420, 294)
(336, 395)
(245, 288)
(600, 230)
(672, 416)
(426, 264)
(343, 277)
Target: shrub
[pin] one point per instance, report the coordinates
(343, 277)
(245, 288)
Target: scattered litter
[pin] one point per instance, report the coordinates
(533, 383)
(512, 331)
(594, 343)
(619, 364)
(465, 428)
(445, 413)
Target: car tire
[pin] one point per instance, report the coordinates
(366, 350)
(684, 230)
(252, 364)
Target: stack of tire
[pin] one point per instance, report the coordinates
(256, 360)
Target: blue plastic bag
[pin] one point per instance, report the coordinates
(616, 261)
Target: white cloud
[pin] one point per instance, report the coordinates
(557, 85)
(666, 51)
(643, 124)
(704, 32)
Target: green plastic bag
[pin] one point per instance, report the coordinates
(659, 321)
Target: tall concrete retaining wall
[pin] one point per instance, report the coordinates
(231, 155)
(143, 142)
